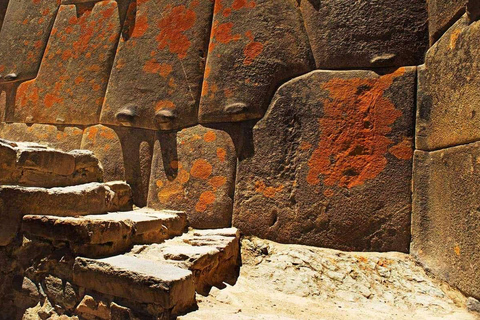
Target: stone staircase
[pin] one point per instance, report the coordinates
(78, 249)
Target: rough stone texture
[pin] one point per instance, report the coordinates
(158, 70)
(3, 104)
(73, 76)
(194, 170)
(255, 46)
(59, 137)
(30, 164)
(445, 224)
(212, 255)
(442, 14)
(348, 34)
(448, 111)
(90, 198)
(332, 163)
(139, 280)
(125, 154)
(106, 234)
(23, 37)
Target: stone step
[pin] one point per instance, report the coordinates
(164, 289)
(212, 255)
(80, 200)
(35, 165)
(106, 234)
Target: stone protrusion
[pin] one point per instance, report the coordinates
(442, 14)
(332, 163)
(106, 234)
(212, 255)
(171, 289)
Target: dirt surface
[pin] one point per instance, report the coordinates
(298, 282)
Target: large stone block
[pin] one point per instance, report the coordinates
(194, 170)
(448, 111)
(158, 70)
(255, 46)
(332, 163)
(59, 137)
(347, 34)
(72, 80)
(442, 14)
(23, 37)
(125, 154)
(446, 211)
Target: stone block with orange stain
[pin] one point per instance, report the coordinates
(448, 110)
(23, 37)
(442, 14)
(125, 154)
(255, 46)
(157, 75)
(446, 211)
(65, 138)
(194, 169)
(332, 163)
(347, 34)
(73, 76)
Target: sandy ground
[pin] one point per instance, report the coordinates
(299, 282)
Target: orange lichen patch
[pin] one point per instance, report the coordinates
(223, 33)
(239, 4)
(141, 26)
(174, 164)
(164, 104)
(183, 176)
(92, 133)
(403, 150)
(353, 142)
(305, 146)
(221, 154)
(328, 193)
(217, 181)
(159, 183)
(210, 136)
(108, 134)
(454, 38)
(153, 66)
(173, 26)
(51, 99)
(268, 192)
(457, 250)
(251, 51)
(206, 198)
(201, 169)
(172, 190)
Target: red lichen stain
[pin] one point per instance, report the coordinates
(217, 181)
(268, 192)
(164, 104)
(221, 154)
(153, 66)
(141, 26)
(173, 26)
(223, 33)
(403, 150)
(239, 4)
(328, 193)
(210, 136)
(51, 99)
(206, 198)
(251, 51)
(201, 169)
(353, 141)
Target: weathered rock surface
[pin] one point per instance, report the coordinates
(262, 43)
(357, 34)
(139, 280)
(125, 154)
(448, 111)
(106, 234)
(194, 170)
(445, 224)
(157, 75)
(212, 255)
(31, 164)
(72, 80)
(23, 37)
(332, 163)
(442, 14)
(90, 198)
(65, 138)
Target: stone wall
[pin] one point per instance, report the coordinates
(292, 120)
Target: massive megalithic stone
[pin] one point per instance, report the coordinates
(23, 37)
(332, 163)
(446, 211)
(158, 71)
(125, 154)
(255, 46)
(73, 76)
(194, 169)
(347, 34)
(448, 110)
(442, 14)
